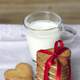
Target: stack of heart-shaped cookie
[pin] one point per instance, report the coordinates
(62, 59)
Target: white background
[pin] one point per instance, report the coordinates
(13, 49)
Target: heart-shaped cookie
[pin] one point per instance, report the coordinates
(22, 71)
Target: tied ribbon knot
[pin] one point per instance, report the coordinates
(51, 60)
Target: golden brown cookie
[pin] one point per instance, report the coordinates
(22, 71)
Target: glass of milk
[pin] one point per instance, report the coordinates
(43, 29)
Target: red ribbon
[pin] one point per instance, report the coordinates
(51, 61)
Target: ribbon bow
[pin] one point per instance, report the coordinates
(58, 49)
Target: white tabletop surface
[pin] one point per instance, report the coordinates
(14, 49)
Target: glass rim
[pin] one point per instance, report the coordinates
(26, 23)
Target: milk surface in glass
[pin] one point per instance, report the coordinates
(43, 35)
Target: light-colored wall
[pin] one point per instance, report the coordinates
(14, 11)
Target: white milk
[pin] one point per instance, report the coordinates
(42, 38)
(43, 24)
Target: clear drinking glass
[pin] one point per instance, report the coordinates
(43, 29)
